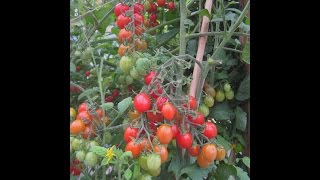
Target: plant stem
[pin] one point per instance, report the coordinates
(183, 16)
(233, 28)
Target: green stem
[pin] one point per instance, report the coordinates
(183, 16)
(233, 28)
(119, 171)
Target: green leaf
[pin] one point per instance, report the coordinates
(241, 119)
(221, 141)
(188, 22)
(136, 171)
(72, 67)
(124, 104)
(240, 139)
(245, 56)
(246, 161)
(244, 27)
(128, 174)
(242, 175)
(243, 92)
(222, 111)
(88, 92)
(100, 151)
(234, 10)
(175, 166)
(231, 3)
(104, 162)
(107, 106)
(125, 155)
(225, 171)
(162, 38)
(247, 21)
(192, 47)
(205, 12)
(196, 173)
(72, 177)
(115, 30)
(232, 62)
(221, 75)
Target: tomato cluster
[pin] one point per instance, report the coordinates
(152, 9)
(209, 153)
(130, 19)
(114, 94)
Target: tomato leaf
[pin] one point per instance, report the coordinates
(221, 141)
(175, 166)
(205, 12)
(88, 92)
(194, 172)
(241, 119)
(192, 47)
(234, 10)
(125, 155)
(242, 175)
(72, 67)
(246, 161)
(225, 171)
(104, 162)
(243, 92)
(245, 56)
(124, 104)
(128, 174)
(222, 111)
(136, 171)
(100, 151)
(162, 38)
(107, 106)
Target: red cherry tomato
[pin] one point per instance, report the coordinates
(130, 133)
(184, 140)
(142, 102)
(210, 130)
(120, 9)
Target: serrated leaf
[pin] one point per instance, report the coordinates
(192, 47)
(222, 111)
(175, 166)
(196, 173)
(100, 151)
(205, 12)
(246, 161)
(88, 92)
(107, 106)
(243, 92)
(222, 141)
(128, 174)
(136, 171)
(104, 162)
(224, 171)
(126, 154)
(72, 67)
(124, 104)
(241, 119)
(245, 56)
(242, 175)
(221, 75)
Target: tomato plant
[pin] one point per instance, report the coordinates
(159, 84)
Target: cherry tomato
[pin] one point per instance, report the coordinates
(221, 153)
(138, 8)
(153, 17)
(209, 152)
(184, 140)
(88, 73)
(161, 3)
(149, 77)
(115, 93)
(89, 131)
(139, 30)
(193, 102)
(210, 130)
(175, 131)
(120, 9)
(153, 8)
(124, 35)
(78, 68)
(145, 144)
(133, 114)
(134, 147)
(82, 107)
(202, 162)
(109, 99)
(154, 117)
(123, 21)
(138, 19)
(170, 6)
(164, 134)
(162, 151)
(77, 126)
(155, 93)
(130, 133)
(168, 111)
(122, 50)
(194, 150)
(85, 117)
(198, 120)
(142, 102)
(160, 102)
